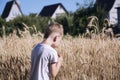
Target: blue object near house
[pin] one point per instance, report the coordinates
(118, 14)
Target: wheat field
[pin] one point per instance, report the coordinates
(84, 59)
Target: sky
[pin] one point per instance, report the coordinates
(35, 6)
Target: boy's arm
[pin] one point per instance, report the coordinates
(54, 67)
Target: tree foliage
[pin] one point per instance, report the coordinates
(76, 23)
(67, 22)
(73, 23)
(81, 15)
(31, 20)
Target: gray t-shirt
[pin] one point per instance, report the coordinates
(42, 56)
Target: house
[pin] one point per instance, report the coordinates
(111, 7)
(11, 10)
(53, 10)
(113, 15)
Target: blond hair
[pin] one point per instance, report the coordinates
(53, 27)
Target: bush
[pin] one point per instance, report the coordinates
(2, 22)
(36, 21)
(39, 22)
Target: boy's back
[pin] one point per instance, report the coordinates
(42, 56)
(45, 62)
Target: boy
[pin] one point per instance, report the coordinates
(45, 62)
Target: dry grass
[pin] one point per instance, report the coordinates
(84, 59)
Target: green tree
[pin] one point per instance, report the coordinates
(67, 22)
(81, 15)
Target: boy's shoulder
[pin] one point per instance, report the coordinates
(45, 47)
(48, 47)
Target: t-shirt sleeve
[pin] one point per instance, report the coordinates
(53, 57)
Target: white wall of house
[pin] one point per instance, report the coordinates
(14, 12)
(58, 12)
(113, 13)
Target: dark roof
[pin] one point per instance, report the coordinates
(50, 9)
(106, 4)
(8, 8)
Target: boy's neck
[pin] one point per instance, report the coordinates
(48, 41)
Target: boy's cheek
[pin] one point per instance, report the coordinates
(57, 45)
(54, 45)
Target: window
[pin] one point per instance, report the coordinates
(118, 15)
(60, 7)
(58, 14)
(14, 13)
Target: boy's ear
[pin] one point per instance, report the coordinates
(55, 38)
